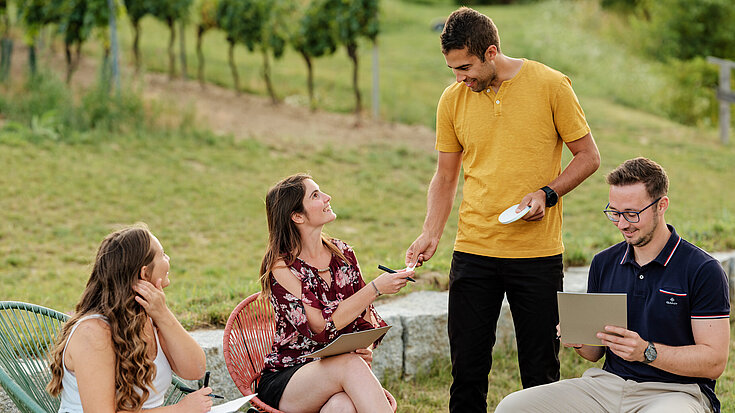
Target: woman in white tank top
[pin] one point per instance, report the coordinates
(117, 353)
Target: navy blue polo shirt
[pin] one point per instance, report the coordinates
(682, 284)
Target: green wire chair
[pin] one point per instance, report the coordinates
(27, 334)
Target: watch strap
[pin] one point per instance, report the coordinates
(551, 196)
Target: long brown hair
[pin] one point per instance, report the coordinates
(284, 240)
(109, 292)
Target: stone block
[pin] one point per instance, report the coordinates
(388, 356)
(423, 316)
(219, 378)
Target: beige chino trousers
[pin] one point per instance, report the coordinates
(600, 391)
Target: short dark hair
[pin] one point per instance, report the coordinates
(641, 170)
(469, 28)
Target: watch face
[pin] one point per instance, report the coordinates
(650, 353)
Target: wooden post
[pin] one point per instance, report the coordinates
(376, 82)
(724, 94)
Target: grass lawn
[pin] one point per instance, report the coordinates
(203, 196)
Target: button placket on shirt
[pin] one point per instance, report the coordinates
(496, 100)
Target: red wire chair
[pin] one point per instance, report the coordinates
(248, 338)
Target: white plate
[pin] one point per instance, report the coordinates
(510, 215)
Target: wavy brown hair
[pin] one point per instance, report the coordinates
(109, 292)
(284, 240)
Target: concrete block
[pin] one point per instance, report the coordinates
(219, 379)
(388, 356)
(423, 316)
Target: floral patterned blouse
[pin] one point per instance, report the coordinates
(294, 338)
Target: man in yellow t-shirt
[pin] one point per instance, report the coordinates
(504, 122)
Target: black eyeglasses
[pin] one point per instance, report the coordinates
(630, 216)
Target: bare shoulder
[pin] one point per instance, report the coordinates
(284, 276)
(91, 334)
(90, 344)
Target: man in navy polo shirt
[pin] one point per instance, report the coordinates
(678, 335)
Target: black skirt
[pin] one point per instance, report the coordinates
(273, 383)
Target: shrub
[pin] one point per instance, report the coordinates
(685, 29)
(690, 96)
(46, 110)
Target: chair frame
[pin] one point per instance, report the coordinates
(248, 338)
(22, 324)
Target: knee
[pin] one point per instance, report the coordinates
(511, 403)
(339, 403)
(349, 363)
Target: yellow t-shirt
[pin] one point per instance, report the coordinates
(511, 145)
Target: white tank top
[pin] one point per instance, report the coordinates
(70, 401)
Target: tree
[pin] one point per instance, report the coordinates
(261, 25)
(274, 36)
(34, 15)
(85, 15)
(355, 19)
(137, 9)
(685, 29)
(242, 20)
(171, 11)
(207, 21)
(6, 43)
(315, 37)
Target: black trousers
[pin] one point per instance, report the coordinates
(477, 285)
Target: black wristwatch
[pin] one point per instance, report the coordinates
(650, 353)
(551, 197)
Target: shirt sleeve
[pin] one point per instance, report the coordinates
(293, 310)
(569, 118)
(710, 298)
(446, 136)
(593, 278)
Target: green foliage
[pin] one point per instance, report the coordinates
(490, 2)
(207, 15)
(45, 110)
(686, 29)
(258, 24)
(170, 11)
(43, 94)
(278, 26)
(137, 9)
(242, 20)
(84, 16)
(35, 14)
(624, 6)
(690, 97)
(355, 19)
(315, 35)
(431, 2)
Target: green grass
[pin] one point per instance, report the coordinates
(203, 196)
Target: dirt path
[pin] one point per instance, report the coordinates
(246, 116)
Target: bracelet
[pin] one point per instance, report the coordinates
(376, 289)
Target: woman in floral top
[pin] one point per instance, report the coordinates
(317, 291)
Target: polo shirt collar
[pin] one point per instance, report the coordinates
(663, 257)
